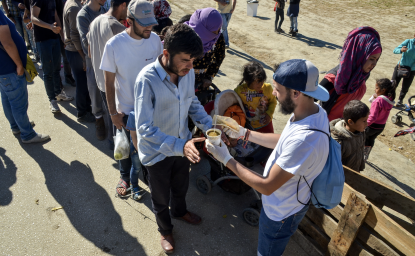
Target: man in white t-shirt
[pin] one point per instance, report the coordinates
(299, 154)
(125, 55)
(102, 29)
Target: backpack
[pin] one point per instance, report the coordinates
(327, 188)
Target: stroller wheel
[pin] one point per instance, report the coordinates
(396, 119)
(251, 216)
(203, 184)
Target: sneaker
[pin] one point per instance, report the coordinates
(226, 46)
(63, 97)
(17, 131)
(40, 65)
(400, 103)
(38, 138)
(136, 194)
(100, 128)
(54, 106)
(87, 118)
(280, 30)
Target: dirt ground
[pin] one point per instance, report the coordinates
(323, 26)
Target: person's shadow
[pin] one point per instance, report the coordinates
(87, 205)
(313, 41)
(7, 178)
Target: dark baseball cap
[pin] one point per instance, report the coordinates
(301, 75)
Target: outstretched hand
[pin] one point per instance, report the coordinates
(190, 151)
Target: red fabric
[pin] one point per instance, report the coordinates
(125, 23)
(266, 129)
(330, 77)
(209, 107)
(378, 50)
(337, 110)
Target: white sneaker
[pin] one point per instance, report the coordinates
(38, 138)
(63, 97)
(54, 106)
(40, 65)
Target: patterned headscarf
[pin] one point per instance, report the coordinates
(205, 22)
(162, 9)
(359, 45)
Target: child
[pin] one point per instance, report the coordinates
(349, 132)
(259, 103)
(382, 103)
(137, 192)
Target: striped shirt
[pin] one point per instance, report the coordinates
(162, 110)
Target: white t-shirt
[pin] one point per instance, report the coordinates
(302, 153)
(126, 57)
(102, 29)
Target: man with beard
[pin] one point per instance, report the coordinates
(164, 99)
(299, 155)
(125, 55)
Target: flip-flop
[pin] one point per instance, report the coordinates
(125, 186)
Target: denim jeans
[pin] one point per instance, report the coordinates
(49, 51)
(273, 236)
(294, 24)
(226, 18)
(66, 67)
(279, 15)
(19, 25)
(136, 165)
(14, 98)
(83, 101)
(30, 34)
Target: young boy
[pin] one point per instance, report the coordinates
(349, 132)
(137, 192)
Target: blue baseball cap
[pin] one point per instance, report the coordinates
(143, 12)
(301, 75)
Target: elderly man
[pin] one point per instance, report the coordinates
(164, 99)
(296, 159)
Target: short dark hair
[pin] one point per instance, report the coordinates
(161, 25)
(185, 18)
(355, 110)
(116, 3)
(182, 38)
(253, 71)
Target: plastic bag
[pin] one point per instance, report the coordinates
(226, 122)
(121, 145)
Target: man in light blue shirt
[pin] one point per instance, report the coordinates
(164, 99)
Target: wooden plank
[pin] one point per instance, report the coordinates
(306, 244)
(386, 227)
(380, 194)
(358, 249)
(313, 231)
(352, 218)
(322, 220)
(336, 212)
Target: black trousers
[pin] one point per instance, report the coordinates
(168, 182)
(279, 14)
(371, 135)
(406, 83)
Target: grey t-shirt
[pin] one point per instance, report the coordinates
(102, 29)
(83, 20)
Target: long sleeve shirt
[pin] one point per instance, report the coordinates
(408, 57)
(162, 110)
(70, 31)
(379, 111)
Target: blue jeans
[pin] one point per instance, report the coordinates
(50, 55)
(226, 18)
(83, 101)
(19, 25)
(273, 236)
(136, 165)
(294, 24)
(14, 98)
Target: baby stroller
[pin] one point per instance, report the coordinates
(408, 109)
(222, 176)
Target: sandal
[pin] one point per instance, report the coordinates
(123, 186)
(137, 194)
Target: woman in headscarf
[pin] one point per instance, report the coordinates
(207, 23)
(346, 82)
(162, 11)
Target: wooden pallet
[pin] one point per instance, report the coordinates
(358, 226)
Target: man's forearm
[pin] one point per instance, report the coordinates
(40, 23)
(268, 140)
(110, 92)
(5, 7)
(252, 179)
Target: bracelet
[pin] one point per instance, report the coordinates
(113, 114)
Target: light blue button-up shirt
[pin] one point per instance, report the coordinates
(162, 110)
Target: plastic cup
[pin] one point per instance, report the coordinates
(215, 140)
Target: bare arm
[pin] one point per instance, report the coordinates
(233, 6)
(58, 24)
(265, 185)
(11, 49)
(5, 7)
(110, 93)
(38, 22)
(268, 140)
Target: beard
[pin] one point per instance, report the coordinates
(287, 106)
(140, 33)
(173, 68)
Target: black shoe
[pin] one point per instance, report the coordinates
(291, 31)
(280, 30)
(87, 118)
(400, 103)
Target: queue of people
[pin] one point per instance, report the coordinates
(152, 96)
